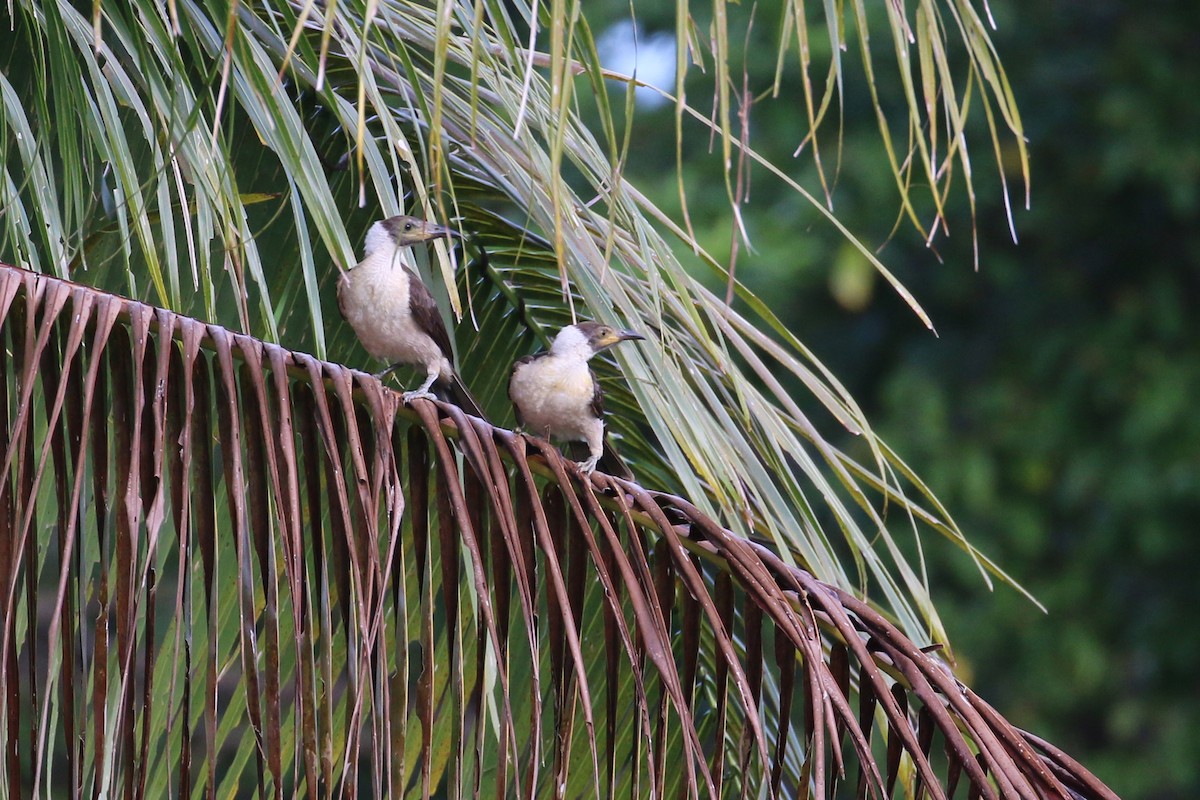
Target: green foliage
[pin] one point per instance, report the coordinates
(1066, 379)
(224, 171)
(216, 159)
(1054, 413)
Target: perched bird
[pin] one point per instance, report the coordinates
(556, 394)
(394, 314)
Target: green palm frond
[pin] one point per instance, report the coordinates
(221, 156)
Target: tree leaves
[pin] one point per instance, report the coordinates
(184, 118)
(267, 575)
(152, 460)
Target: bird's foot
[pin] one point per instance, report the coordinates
(589, 466)
(418, 394)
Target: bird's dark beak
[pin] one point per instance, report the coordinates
(434, 231)
(616, 337)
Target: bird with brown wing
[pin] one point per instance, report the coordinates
(394, 314)
(555, 393)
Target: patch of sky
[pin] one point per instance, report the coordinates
(626, 48)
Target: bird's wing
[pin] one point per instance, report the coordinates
(597, 396)
(610, 462)
(425, 313)
(520, 362)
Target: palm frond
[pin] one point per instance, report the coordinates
(422, 600)
(456, 107)
(189, 130)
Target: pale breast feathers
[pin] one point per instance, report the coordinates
(552, 395)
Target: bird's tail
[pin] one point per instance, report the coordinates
(612, 463)
(458, 394)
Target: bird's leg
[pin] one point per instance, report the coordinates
(595, 443)
(422, 392)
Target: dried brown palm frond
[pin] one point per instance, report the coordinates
(424, 603)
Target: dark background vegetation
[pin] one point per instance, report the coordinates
(1054, 412)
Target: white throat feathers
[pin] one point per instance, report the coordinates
(378, 241)
(572, 344)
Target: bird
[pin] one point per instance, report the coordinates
(394, 314)
(555, 393)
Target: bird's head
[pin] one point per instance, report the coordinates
(592, 337)
(404, 231)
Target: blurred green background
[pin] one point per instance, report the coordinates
(1053, 413)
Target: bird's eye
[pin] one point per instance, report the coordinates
(408, 226)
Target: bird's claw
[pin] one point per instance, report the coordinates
(589, 466)
(418, 394)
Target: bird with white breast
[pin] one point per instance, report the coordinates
(556, 393)
(395, 315)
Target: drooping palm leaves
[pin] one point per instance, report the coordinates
(208, 157)
(246, 544)
(262, 574)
